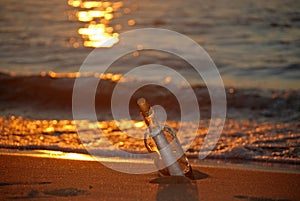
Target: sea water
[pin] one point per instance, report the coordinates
(253, 43)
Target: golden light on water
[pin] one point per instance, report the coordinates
(86, 16)
(54, 154)
(104, 76)
(131, 22)
(98, 16)
(91, 4)
(139, 124)
(74, 3)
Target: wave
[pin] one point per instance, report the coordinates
(240, 140)
(289, 72)
(49, 95)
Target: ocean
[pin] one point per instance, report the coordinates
(253, 44)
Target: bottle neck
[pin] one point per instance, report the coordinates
(152, 122)
(149, 117)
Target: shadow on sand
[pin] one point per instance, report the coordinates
(178, 187)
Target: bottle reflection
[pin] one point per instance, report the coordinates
(178, 187)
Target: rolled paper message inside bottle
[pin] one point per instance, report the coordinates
(162, 143)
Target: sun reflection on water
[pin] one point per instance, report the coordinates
(97, 15)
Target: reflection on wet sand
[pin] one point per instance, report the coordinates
(177, 187)
(98, 15)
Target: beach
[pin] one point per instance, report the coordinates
(30, 178)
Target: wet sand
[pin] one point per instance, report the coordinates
(29, 178)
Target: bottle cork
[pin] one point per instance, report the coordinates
(144, 106)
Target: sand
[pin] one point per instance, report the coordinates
(30, 178)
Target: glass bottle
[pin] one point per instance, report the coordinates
(163, 145)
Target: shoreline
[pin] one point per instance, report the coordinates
(240, 140)
(229, 164)
(47, 179)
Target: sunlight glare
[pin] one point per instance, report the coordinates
(98, 15)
